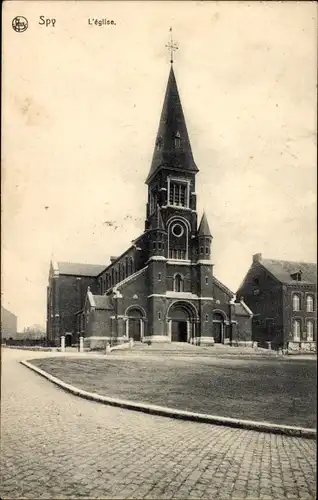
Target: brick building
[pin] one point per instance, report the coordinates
(9, 324)
(162, 288)
(283, 297)
(66, 292)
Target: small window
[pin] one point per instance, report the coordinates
(177, 140)
(206, 250)
(154, 245)
(206, 280)
(296, 302)
(159, 276)
(159, 143)
(310, 330)
(296, 276)
(201, 249)
(296, 330)
(159, 315)
(206, 317)
(310, 303)
(159, 245)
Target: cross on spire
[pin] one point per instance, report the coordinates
(172, 46)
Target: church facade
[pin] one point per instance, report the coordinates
(162, 288)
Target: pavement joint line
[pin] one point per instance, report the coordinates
(303, 432)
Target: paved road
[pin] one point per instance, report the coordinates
(55, 445)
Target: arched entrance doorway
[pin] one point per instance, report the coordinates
(135, 323)
(218, 328)
(181, 321)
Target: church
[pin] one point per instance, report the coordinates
(162, 288)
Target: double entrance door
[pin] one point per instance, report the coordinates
(179, 331)
(134, 329)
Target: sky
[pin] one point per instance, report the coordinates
(81, 107)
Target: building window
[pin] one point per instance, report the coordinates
(206, 317)
(177, 254)
(177, 140)
(177, 230)
(178, 283)
(159, 143)
(201, 250)
(153, 200)
(296, 276)
(159, 315)
(296, 302)
(159, 245)
(310, 330)
(310, 303)
(206, 280)
(178, 194)
(207, 250)
(159, 276)
(296, 330)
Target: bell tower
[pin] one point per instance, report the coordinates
(171, 179)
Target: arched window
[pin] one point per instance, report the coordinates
(310, 330)
(178, 283)
(177, 140)
(127, 266)
(132, 270)
(296, 302)
(296, 329)
(310, 303)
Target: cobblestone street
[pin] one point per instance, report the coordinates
(55, 445)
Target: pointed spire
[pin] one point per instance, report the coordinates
(204, 229)
(173, 148)
(156, 220)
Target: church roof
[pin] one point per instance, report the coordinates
(79, 269)
(283, 270)
(102, 302)
(173, 147)
(204, 229)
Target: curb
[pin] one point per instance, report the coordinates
(178, 414)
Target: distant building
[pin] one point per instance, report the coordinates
(162, 288)
(9, 324)
(283, 297)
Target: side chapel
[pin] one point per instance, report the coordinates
(162, 288)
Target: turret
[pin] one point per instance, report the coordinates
(204, 239)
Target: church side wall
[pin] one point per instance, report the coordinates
(243, 332)
(72, 291)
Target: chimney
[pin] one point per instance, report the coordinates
(113, 259)
(257, 257)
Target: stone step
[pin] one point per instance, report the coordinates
(186, 349)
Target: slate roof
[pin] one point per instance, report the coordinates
(172, 124)
(102, 302)
(242, 310)
(222, 287)
(204, 229)
(282, 270)
(78, 269)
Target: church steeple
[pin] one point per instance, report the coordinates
(172, 148)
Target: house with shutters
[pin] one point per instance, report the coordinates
(162, 288)
(283, 297)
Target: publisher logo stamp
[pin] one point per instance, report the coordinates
(20, 24)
